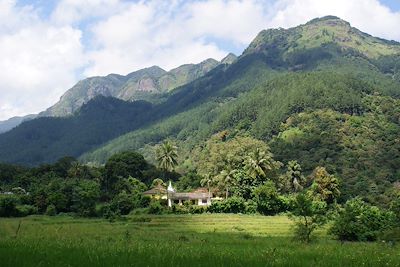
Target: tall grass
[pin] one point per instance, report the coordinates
(185, 240)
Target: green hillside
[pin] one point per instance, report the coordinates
(49, 138)
(323, 93)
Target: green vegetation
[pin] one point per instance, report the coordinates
(184, 240)
(305, 124)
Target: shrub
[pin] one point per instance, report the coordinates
(155, 207)
(359, 221)
(251, 207)
(269, 202)
(391, 235)
(25, 210)
(8, 206)
(180, 209)
(197, 209)
(122, 203)
(51, 210)
(230, 205)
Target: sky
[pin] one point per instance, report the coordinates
(46, 46)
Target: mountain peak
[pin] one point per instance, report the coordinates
(326, 18)
(229, 59)
(318, 33)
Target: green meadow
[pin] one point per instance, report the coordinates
(178, 240)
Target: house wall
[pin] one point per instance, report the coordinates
(200, 202)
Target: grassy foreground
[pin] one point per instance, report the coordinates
(170, 240)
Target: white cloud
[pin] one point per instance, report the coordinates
(41, 58)
(367, 15)
(37, 61)
(74, 11)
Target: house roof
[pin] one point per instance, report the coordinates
(187, 196)
(159, 189)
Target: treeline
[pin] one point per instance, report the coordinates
(236, 167)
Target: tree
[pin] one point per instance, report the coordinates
(293, 180)
(259, 163)
(123, 165)
(359, 221)
(157, 182)
(84, 196)
(308, 214)
(325, 186)
(226, 179)
(8, 206)
(269, 202)
(167, 156)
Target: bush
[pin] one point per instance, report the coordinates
(51, 210)
(230, 205)
(140, 201)
(251, 207)
(359, 221)
(197, 209)
(391, 235)
(155, 207)
(8, 206)
(122, 203)
(180, 209)
(269, 202)
(25, 210)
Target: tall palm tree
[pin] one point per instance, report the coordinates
(167, 154)
(296, 179)
(258, 164)
(207, 180)
(225, 179)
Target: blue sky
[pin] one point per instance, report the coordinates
(393, 4)
(47, 46)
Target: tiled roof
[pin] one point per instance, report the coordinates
(159, 189)
(185, 196)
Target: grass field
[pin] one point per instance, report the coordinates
(170, 240)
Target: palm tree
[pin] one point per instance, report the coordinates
(207, 180)
(225, 179)
(295, 177)
(167, 155)
(259, 163)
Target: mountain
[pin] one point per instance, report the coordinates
(318, 34)
(14, 122)
(322, 93)
(145, 84)
(229, 59)
(46, 138)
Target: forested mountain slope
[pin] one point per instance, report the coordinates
(146, 84)
(319, 93)
(13, 122)
(47, 139)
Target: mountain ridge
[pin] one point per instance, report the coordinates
(196, 105)
(145, 84)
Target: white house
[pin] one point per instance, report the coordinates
(199, 197)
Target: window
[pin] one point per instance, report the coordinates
(204, 201)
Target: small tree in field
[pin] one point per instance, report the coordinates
(308, 214)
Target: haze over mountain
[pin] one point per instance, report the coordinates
(323, 93)
(14, 122)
